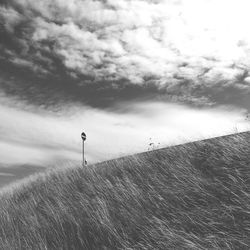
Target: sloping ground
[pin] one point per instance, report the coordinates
(192, 196)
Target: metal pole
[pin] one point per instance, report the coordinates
(83, 159)
(83, 135)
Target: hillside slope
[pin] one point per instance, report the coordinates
(192, 196)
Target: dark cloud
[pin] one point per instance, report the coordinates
(11, 174)
(99, 52)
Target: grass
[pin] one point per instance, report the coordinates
(192, 196)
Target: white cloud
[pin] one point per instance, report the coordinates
(203, 41)
(43, 138)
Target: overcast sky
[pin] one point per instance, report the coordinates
(128, 73)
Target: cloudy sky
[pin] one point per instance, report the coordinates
(128, 73)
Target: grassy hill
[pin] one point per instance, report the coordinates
(192, 196)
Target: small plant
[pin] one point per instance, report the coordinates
(152, 145)
(235, 129)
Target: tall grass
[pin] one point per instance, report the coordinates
(193, 196)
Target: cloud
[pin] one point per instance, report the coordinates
(42, 138)
(186, 50)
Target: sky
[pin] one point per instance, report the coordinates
(134, 75)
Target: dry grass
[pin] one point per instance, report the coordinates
(193, 196)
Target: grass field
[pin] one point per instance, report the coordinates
(192, 196)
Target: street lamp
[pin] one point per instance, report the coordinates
(84, 162)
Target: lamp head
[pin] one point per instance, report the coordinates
(83, 135)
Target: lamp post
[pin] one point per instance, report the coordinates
(83, 135)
